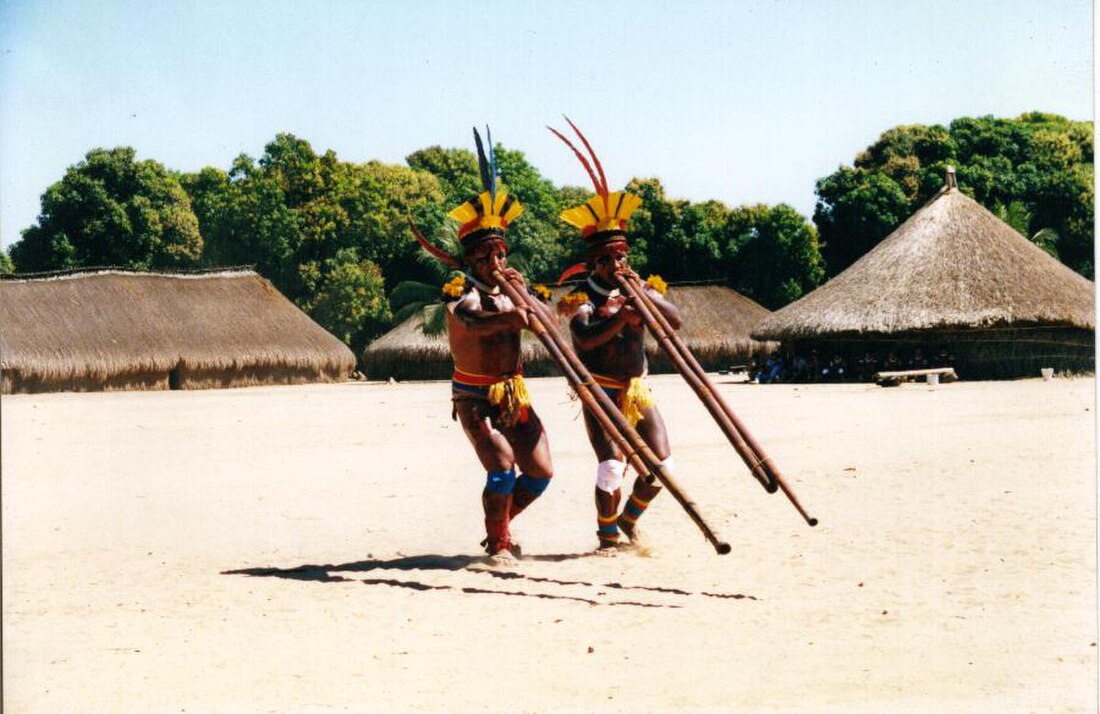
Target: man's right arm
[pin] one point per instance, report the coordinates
(483, 323)
(589, 332)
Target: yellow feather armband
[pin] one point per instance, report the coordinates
(541, 291)
(657, 283)
(455, 287)
(571, 302)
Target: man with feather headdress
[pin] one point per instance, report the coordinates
(609, 336)
(488, 392)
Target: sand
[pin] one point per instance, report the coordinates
(315, 549)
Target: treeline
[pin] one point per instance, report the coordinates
(331, 234)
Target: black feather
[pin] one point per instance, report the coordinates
(483, 163)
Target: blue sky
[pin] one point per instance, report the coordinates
(744, 102)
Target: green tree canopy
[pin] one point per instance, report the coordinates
(771, 254)
(111, 209)
(856, 208)
(1042, 162)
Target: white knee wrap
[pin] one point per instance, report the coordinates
(609, 475)
(669, 464)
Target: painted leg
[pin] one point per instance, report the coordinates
(609, 479)
(635, 506)
(527, 490)
(496, 500)
(607, 510)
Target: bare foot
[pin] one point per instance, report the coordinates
(503, 558)
(609, 550)
(516, 548)
(638, 541)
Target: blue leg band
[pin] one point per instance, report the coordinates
(532, 484)
(501, 482)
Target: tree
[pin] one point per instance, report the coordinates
(112, 210)
(536, 238)
(346, 295)
(771, 254)
(1043, 162)
(380, 199)
(856, 208)
(654, 226)
(329, 234)
(245, 220)
(698, 255)
(6, 266)
(456, 170)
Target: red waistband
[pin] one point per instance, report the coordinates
(479, 380)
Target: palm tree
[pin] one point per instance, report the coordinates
(1018, 216)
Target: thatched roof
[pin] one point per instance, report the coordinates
(951, 265)
(716, 328)
(121, 330)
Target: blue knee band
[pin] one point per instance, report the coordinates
(501, 482)
(532, 484)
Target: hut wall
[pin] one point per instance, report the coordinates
(408, 363)
(991, 353)
(712, 357)
(253, 375)
(17, 381)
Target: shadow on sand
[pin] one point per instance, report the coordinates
(474, 564)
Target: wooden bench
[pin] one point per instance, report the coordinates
(734, 369)
(893, 379)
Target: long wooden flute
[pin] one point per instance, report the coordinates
(642, 457)
(760, 464)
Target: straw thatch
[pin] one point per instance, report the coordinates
(716, 328)
(952, 277)
(122, 330)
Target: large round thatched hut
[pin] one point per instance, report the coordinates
(716, 328)
(951, 279)
(114, 329)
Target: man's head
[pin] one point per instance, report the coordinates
(606, 260)
(485, 257)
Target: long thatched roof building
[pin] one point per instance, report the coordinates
(114, 329)
(952, 277)
(716, 328)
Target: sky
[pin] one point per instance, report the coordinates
(748, 101)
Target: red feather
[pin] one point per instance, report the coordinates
(571, 271)
(446, 258)
(595, 159)
(601, 190)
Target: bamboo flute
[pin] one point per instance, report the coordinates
(760, 464)
(594, 399)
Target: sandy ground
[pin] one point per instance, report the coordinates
(314, 549)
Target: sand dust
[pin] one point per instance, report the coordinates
(315, 549)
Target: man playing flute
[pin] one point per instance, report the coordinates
(489, 396)
(609, 336)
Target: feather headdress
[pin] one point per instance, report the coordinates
(605, 215)
(489, 213)
(602, 219)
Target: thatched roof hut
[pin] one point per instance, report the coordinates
(952, 277)
(716, 328)
(114, 329)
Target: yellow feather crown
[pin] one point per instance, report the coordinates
(596, 216)
(482, 213)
